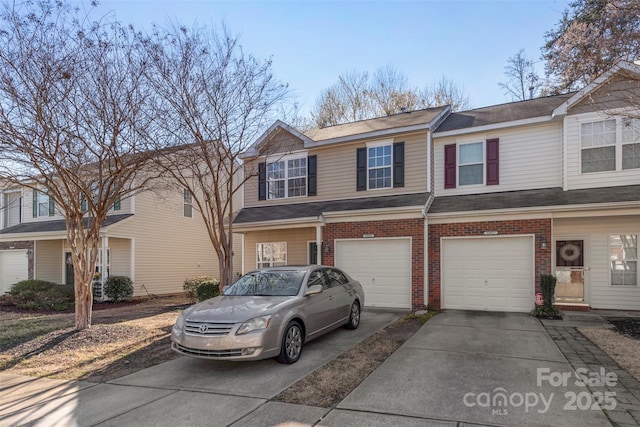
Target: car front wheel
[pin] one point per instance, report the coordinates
(354, 316)
(291, 347)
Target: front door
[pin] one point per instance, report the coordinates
(570, 270)
(68, 269)
(313, 253)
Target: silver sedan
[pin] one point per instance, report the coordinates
(269, 312)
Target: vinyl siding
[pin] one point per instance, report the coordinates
(49, 260)
(613, 94)
(575, 178)
(596, 232)
(168, 248)
(337, 173)
(11, 209)
(530, 158)
(297, 240)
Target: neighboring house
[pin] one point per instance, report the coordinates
(155, 237)
(462, 210)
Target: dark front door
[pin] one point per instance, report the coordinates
(68, 269)
(313, 253)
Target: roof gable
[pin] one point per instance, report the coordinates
(621, 68)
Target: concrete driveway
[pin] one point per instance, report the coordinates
(476, 368)
(182, 392)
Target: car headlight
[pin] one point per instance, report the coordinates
(254, 324)
(180, 321)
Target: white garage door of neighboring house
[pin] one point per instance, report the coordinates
(13, 268)
(382, 266)
(494, 274)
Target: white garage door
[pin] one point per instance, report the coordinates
(494, 274)
(382, 266)
(13, 268)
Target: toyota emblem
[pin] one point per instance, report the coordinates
(204, 328)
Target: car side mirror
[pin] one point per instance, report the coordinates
(313, 290)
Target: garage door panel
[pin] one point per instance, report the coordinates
(13, 268)
(382, 266)
(488, 273)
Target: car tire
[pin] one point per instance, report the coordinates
(354, 316)
(291, 347)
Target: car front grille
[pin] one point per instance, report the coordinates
(214, 354)
(211, 329)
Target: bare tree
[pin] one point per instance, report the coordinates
(391, 93)
(445, 92)
(219, 99)
(522, 80)
(345, 101)
(591, 37)
(73, 121)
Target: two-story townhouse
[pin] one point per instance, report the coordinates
(351, 195)
(545, 186)
(462, 210)
(155, 237)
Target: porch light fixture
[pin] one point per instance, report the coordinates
(543, 242)
(327, 247)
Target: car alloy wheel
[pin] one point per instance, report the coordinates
(354, 316)
(291, 344)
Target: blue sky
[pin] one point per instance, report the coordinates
(311, 43)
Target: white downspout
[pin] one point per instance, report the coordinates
(319, 242)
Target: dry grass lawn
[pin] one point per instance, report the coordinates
(121, 341)
(622, 349)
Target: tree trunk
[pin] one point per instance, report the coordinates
(84, 301)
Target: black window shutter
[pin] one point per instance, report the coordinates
(262, 181)
(398, 164)
(450, 166)
(361, 169)
(493, 161)
(35, 204)
(312, 175)
(117, 204)
(52, 207)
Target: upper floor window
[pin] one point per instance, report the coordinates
(610, 145)
(630, 143)
(379, 166)
(598, 142)
(287, 178)
(187, 199)
(471, 164)
(623, 250)
(43, 205)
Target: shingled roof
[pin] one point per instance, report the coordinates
(315, 209)
(56, 225)
(534, 198)
(502, 113)
(402, 120)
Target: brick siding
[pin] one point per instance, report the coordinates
(541, 228)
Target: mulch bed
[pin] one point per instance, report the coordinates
(627, 326)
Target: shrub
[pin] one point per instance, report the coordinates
(118, 288)
(37, 294)
(200, 288)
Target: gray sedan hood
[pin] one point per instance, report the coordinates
(234, 309)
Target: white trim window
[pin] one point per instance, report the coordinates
(630, 143)
(187, 203)
(623, 252)
(598, 146)
(287, 178)
(272, 254)
(379, 162)
(471, 163)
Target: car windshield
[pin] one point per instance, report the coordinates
(274, 283)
